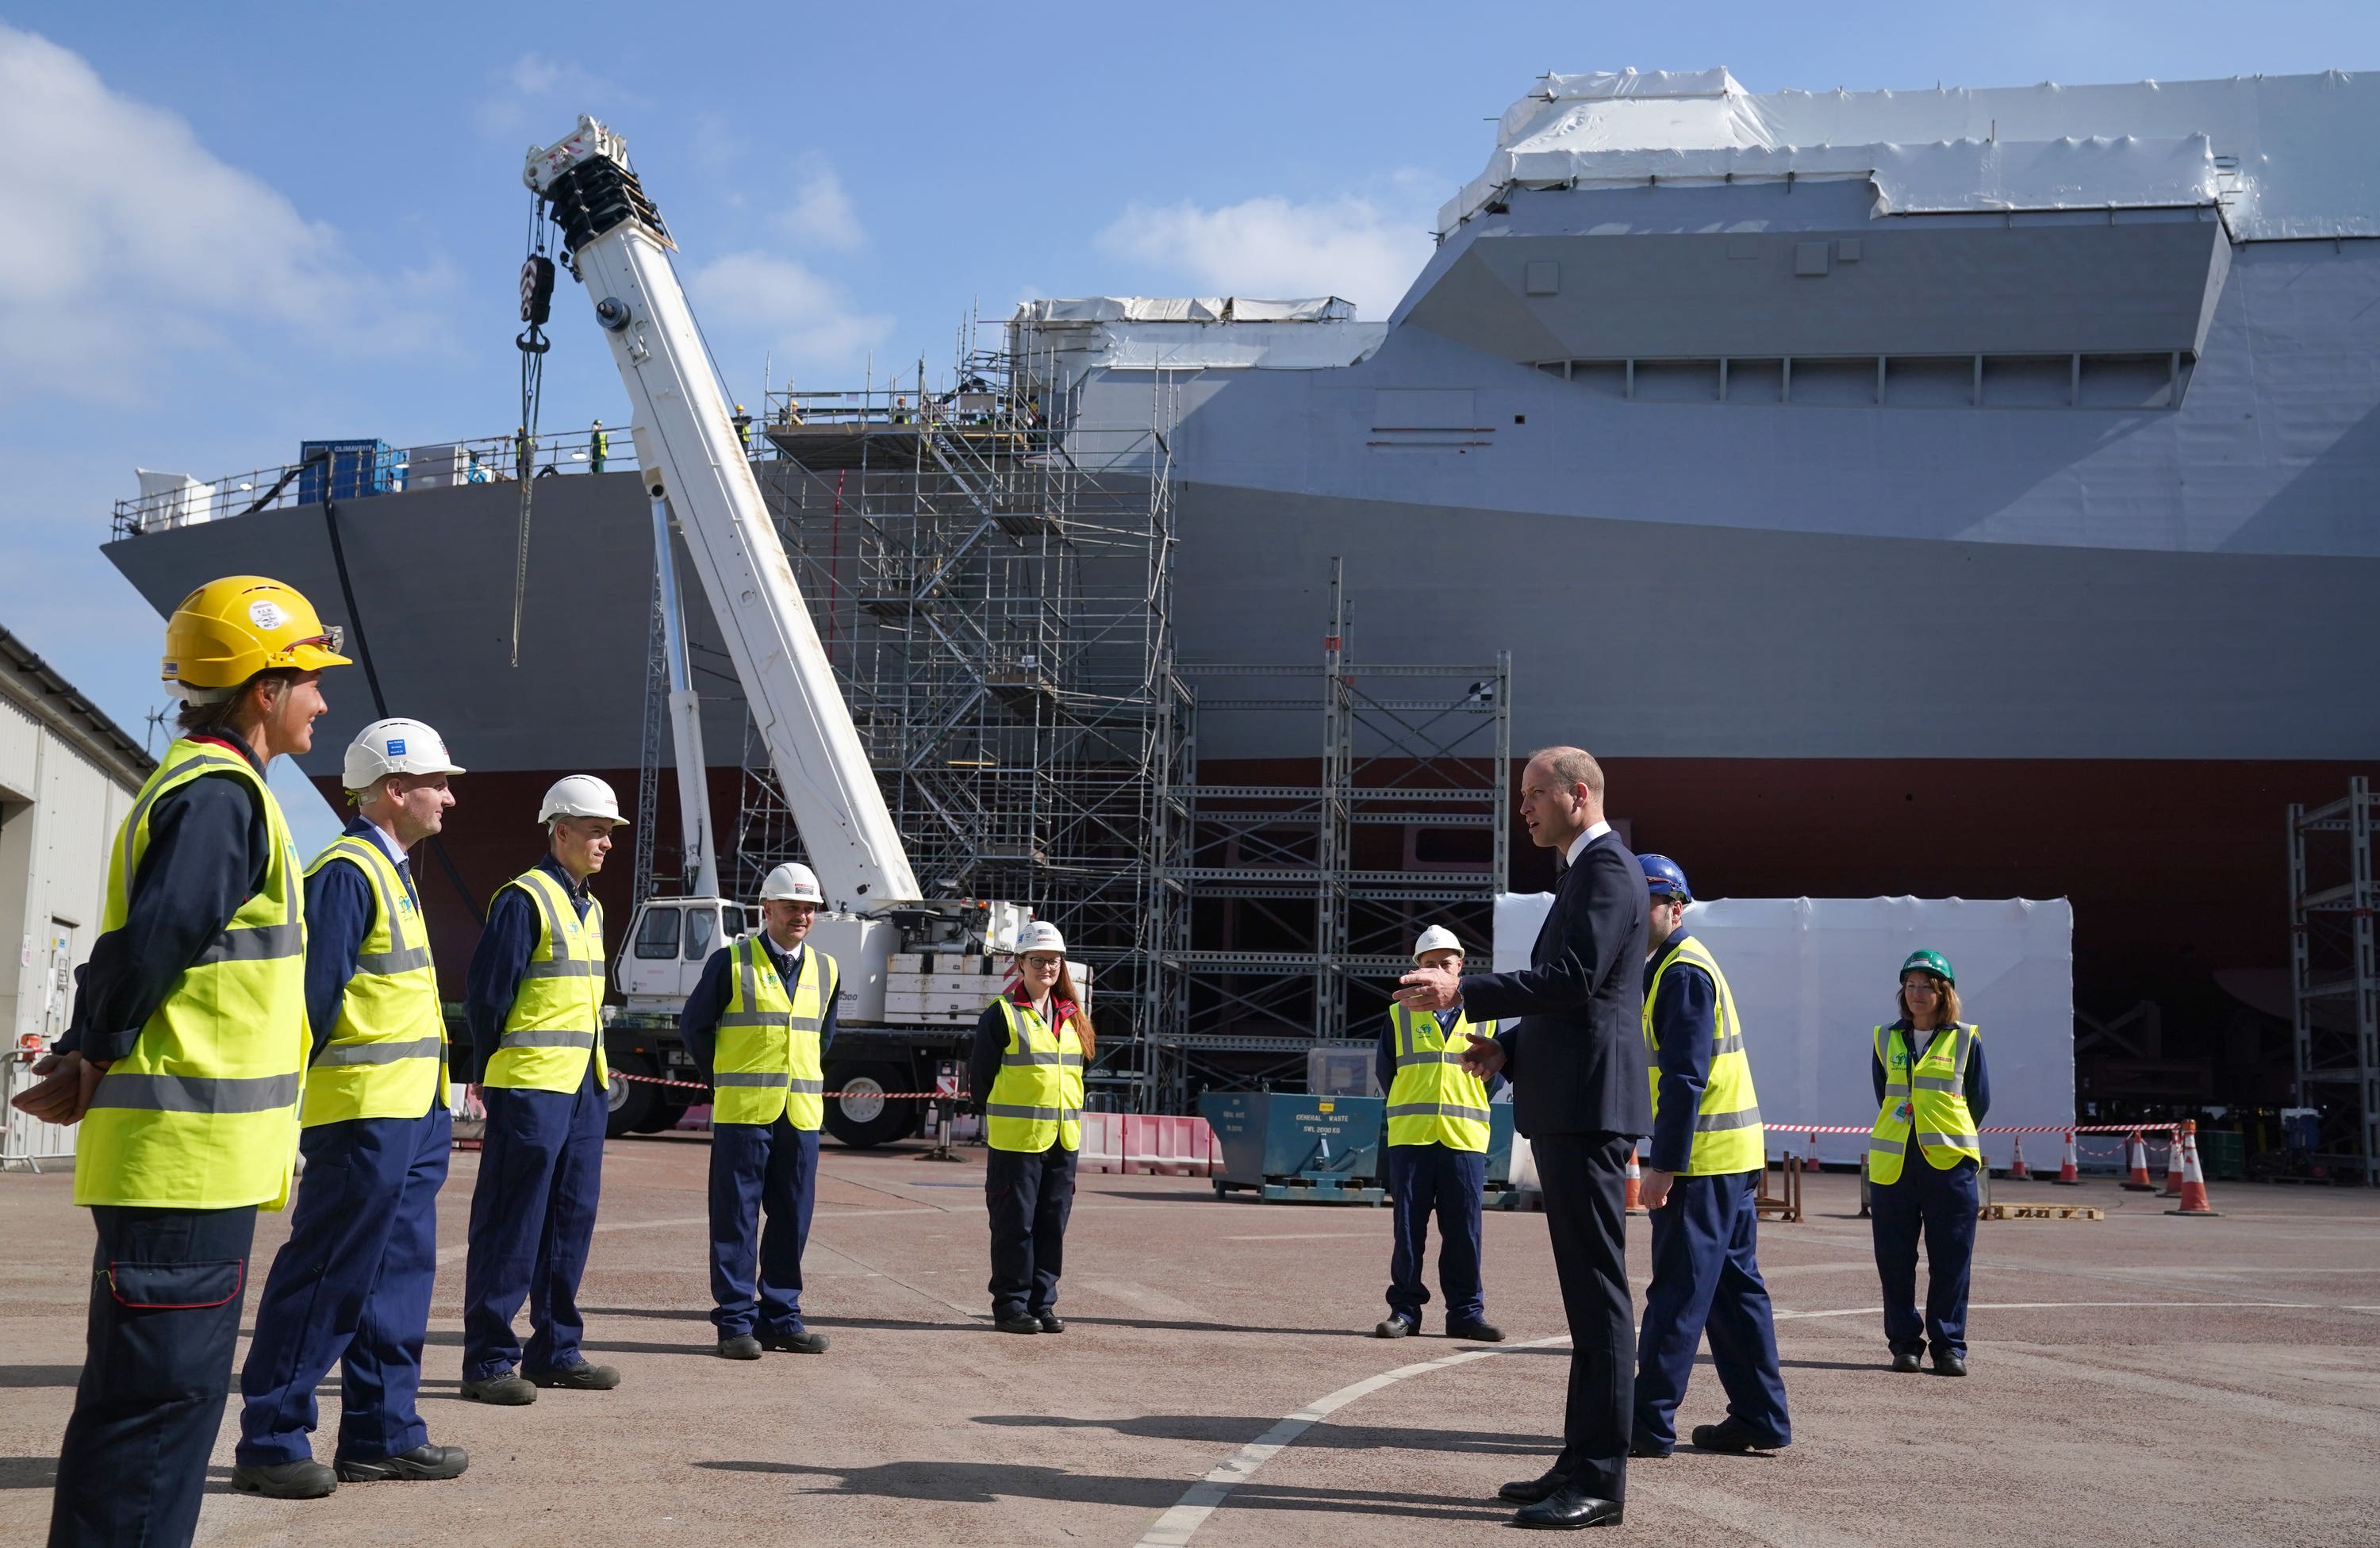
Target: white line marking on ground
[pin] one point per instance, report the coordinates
(1140, 1297)
(1173, 1529)
(1313, 1235)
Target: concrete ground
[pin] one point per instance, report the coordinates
(2142, 1380)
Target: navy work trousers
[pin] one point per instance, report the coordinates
(1942, 1206)
(350, 1288)
(1706, 1279)
(759, 1170)
(1029, 1194)
(164, 1318)
(532, 1217)
(1585, 1178)
(1425, 1180)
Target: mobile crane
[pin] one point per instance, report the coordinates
(916, 971)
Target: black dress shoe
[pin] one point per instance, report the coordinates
(1568, 1509)
(1050, 1321)
(739, 1346)
(799, 1341)
(1017, 1324)
(1730, 1435)
(1947, 1364)
(1394, 1327)
(1529, 1491)
(1904, 1364)
(302, 1480)
(422, 1461)
(1476, 1331)
(1649, 1449)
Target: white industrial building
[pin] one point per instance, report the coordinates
(68, 775)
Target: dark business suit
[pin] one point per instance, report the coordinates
(1580, 1094)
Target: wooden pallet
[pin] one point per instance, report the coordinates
(2044, 1212)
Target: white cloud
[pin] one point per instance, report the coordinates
(821, 214)
(128, 240)
(553, 90)
(1351, 245)
(805, 319)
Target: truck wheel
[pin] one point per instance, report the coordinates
(632, 1105)
(864, 1116)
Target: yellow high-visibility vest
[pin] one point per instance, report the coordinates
(1729, 1137)
(766, 1061)
(1037, 1098)
(202, 1113)
(1432, 1099)
(387, 1054)
(1926, 1097)
(556, 1022)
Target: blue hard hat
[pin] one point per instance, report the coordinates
(1663, 878)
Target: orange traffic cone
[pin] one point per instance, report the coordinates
(1635, 1186)
(2193, 1179)
(2018, 1171)
(2173, 1167)
(2068, 1168)
(2137, 1157)
(1810, 1162)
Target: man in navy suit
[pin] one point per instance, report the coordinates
(1580, 1094)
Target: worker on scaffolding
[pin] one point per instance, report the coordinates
(1709, 1153)
(599, 447)
(743, 423)
(351, 1285)
(534, 1002)
(757, 1024)
(1026, 1067)
(1438, 1126)
(184, 1062)
(1927, 1068)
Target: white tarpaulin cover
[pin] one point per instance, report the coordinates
(2295, 152)
(1185, 309)
(1813, 977)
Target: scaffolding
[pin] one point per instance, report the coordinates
(1307, 899)
(996, 596)
(2335, 977)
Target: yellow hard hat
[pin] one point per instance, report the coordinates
(228, 630)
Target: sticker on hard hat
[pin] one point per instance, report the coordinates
(397, 747)
(264, 612)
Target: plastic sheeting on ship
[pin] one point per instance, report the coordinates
(1185, 309)
(2287, 157)
(1813, 977)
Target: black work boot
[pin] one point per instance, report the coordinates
(305, 1480)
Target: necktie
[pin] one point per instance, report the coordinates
(1561, 865)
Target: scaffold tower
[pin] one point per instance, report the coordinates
(2335, 974)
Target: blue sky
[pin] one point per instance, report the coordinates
(236, 227)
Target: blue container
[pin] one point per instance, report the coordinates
(1288, 1146)
(356, 468)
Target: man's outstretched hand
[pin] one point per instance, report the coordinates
(64, 1095)
(1427, 989)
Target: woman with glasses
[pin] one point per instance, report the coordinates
(1922, 1158)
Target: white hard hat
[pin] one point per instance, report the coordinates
(792, 883)
(580, 796)
(395, 747)
(1436, 938)
(1039, 935)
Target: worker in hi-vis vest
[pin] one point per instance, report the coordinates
(351, 1285)
(757, 1024)
(1927, 1068)
(184, 1061)
(1025, 1068)
(1438, 1154)
(535, 998)
(1701, 1185)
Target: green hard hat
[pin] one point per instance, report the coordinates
(1932, 962)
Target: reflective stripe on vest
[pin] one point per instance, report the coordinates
(556, 1020)
(766, 1061)
(1036, 1100)
(387, 1054)
(1432, 1099)
(1928, 1097)
(203, 1113)
(1729, 1137)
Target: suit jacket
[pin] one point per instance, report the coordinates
(1577, 1059)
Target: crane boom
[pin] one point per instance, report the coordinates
(620, 250)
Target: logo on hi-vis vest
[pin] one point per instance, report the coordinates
(1900, 1059)
(1904, 1113)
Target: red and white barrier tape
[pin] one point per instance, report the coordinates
(1790, 1129)
(699, 1086)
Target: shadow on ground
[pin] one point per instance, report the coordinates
(985, 1483)
(1233, 1430)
